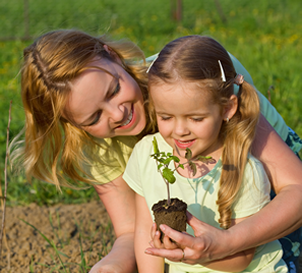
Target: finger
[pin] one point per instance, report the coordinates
(153, 230)
(193, 221)
(182, 239)
(175, 255)
(156, 240)
(198, 226)
(151, 243)
(168, 244)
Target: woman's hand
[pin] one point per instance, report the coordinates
(209, 243)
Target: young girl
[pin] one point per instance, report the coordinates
(84, 100)
(191, 89)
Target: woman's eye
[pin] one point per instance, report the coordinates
(116, 89)
(96, 119)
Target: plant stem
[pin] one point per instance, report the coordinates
(168, 190)
(167, 184)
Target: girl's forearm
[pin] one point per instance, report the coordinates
(145, 263)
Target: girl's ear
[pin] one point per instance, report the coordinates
(231, 108)
(113, 54)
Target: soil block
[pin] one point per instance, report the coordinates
(173, 216)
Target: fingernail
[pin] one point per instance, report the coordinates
(153, 225)
(157, 233)
(147, 251)
(162, 228)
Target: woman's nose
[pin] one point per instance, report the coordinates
(116, 112)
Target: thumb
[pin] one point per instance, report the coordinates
(195, 223)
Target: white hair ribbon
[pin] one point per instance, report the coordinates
(222, 72)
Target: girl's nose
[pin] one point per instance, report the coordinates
(181, 129)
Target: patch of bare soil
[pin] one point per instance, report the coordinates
(75, 229)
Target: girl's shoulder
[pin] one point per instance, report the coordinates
(255, 172)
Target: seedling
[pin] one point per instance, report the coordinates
(163, 160)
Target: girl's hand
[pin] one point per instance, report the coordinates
(193, 250)
(156, 242)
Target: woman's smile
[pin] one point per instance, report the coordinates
(107, 102)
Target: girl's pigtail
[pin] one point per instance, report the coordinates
(239, 134)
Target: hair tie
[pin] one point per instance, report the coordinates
(152, 64)
(239, 79)
(222, 72)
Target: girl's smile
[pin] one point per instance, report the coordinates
(184, 144)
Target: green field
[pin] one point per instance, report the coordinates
(264, 36)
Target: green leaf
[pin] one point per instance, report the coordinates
(193, 167)
(181, 166)
(155, 146)
(203, 158)
(161, 160)
(188, 154)
(168, 175)
(175, 158)
(168, 160)
(159, 166)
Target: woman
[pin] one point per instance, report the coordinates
(85, 101)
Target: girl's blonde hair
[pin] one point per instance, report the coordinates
(195, 58)
(54, 147)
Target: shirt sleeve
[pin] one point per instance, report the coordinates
(132, 174)
(112, 157)
(254, 193)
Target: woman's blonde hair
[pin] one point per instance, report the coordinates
(195, 58)
(54, 147)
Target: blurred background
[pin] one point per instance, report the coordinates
(264, 35)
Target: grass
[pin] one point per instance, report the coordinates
(58, 263)
(265, 36)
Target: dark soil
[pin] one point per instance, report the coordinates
(73, 226)
(173, 215)
(84, 224)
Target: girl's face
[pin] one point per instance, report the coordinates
(187, 118)
(107, 106)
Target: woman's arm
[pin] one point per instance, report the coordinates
(119, 201)
(145, 263)
(234, 263)
(280, 217)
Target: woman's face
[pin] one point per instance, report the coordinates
(107, 106)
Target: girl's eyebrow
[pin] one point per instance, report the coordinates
(111, 87)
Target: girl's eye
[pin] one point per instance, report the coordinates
(197, 119)
(164, 118)
(96, 119)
